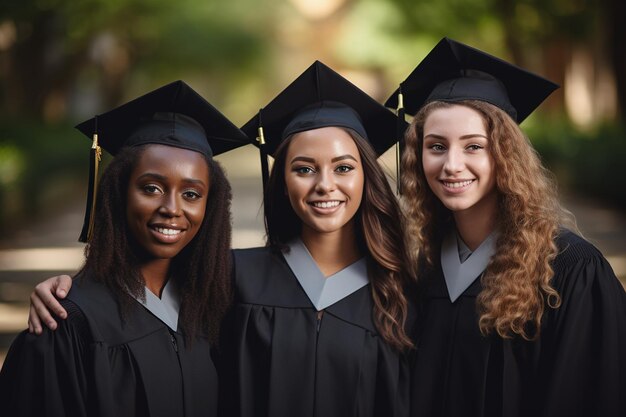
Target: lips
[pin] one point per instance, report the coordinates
(166, 233)
(325, 204)
(457, 184)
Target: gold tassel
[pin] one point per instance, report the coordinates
(97, 156)
(261, 137)
(400, 142)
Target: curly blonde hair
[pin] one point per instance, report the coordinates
(516, 283)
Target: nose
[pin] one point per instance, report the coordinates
(454, 161)
(170, 206)
(325, 182)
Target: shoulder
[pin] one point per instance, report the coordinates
(75, 318)
(573, 247)
(252, 254)
(580, 267)
(91, 297)
(257, 260)
(70, 336)
(103, 315)
(573, 251)
(263, 277)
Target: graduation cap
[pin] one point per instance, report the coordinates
(173, 115)
(454, 72)
(318, 98)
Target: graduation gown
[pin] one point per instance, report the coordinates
(93, 365)
(279, 359)
(576, 368)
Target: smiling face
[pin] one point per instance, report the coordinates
(324, 179)
(457, 163)
(166, 199)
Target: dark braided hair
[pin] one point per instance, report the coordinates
(201, 270)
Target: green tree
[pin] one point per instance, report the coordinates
(58, 44)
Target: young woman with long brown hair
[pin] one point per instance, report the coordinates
(317, 327)
(517, 315)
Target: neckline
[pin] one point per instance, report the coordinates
(460, 275)
(324, 291)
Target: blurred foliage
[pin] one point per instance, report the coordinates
(123, 46)
(585, 162)
(40, 167)
(62, 61)
(524, 22)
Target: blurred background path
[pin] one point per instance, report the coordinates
(49, 247)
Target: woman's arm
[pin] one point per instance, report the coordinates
(44, 300)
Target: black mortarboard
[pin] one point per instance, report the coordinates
(173, 115)
(453, 71)
(320, 97)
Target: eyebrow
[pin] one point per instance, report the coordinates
(464, 137)
(342, 157)
(164, 178)
(312, 160)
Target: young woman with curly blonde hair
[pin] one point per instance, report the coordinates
(518, 316)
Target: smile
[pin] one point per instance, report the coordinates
(325, 204)
(457, 184)
(166, 231)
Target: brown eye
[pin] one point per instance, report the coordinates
(437, 147)
(344, 169)
(151, 189)
(303, 170)
(191, 195)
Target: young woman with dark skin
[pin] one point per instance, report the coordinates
(144, 311)
(518, 316)
(317, 324)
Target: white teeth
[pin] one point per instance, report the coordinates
(167, 231)
(457, 184)
(325, 204)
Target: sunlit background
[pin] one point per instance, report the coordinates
(63, 61)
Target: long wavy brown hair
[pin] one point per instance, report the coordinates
(380, 235)
(516, 283)
(201, 270)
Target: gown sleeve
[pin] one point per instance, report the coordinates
(46, 375)
(582, 366)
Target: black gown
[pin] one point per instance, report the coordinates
(92, 365)
(576, 368)
(280, 360)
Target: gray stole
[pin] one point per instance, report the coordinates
(460, 266)
(324, 291)
(165, 308)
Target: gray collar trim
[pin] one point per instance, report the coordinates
(324, 291)
(460, 274)
(165, 308)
